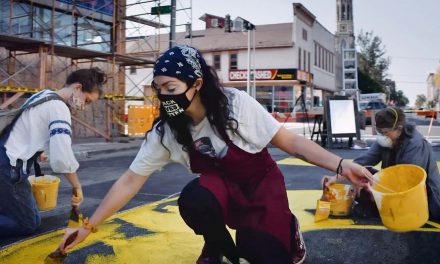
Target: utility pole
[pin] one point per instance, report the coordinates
(250, 28)
(173, 24)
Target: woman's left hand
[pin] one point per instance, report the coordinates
(355, 173)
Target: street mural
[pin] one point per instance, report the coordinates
(155, 233)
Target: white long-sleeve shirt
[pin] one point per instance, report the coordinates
(45, 127)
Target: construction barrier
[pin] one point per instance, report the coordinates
(140, 119)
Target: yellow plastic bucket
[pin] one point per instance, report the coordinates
(45, 191)
(341, 198)
(400, 195)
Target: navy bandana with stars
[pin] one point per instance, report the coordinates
(182, 62)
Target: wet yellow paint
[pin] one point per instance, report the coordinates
(299, 162)
(171, 242)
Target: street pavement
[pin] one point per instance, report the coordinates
(151, 218)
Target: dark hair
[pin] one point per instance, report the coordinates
(91, 79)
(217, 110)
(386, 118)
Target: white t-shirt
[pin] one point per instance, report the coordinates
(45, 127)
(256, 128)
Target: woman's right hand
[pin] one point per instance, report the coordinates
(72, 237)
(327, 180)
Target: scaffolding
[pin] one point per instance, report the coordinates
(42, 41)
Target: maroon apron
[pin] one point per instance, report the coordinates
(250, 189)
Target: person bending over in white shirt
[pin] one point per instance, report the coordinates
(221, 133)
(46, 126)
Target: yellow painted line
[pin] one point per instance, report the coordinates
(169, 240)
(299, 162)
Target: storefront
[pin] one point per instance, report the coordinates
(278, 90)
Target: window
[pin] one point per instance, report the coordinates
(42, 23)
(304, 60)
(93, 35)
(133, 69)
(217, 61)
(332, 64)
(214, 22)
(64, 26)
(21, 20)
(299, 58)
(233, 61)
(319, 56)
(316, 54)
(308, 62)
(304, 34)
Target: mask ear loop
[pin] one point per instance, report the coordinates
(397, 117)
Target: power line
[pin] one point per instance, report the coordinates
(415, 58)
(407, 82)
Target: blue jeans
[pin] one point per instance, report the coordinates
(18, 210)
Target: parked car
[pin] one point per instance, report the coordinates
(371, 108)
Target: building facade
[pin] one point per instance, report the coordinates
(346, 56)
(432, 89)
(289, 59)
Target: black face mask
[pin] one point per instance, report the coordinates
(175, 104)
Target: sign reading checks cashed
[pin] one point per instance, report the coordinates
(270, 74)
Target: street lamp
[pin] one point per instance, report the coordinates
(250, 29)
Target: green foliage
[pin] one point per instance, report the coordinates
(373, 64)
(420, 100)
(367, 84)
(401, 99)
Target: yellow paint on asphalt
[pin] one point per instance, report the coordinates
(299, 162)
(171, 241)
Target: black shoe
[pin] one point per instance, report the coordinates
(207, 257)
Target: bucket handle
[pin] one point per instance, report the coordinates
(377, 182)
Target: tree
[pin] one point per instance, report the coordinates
(401, 100)
(373, 64)
(420, 100)
(431, 104)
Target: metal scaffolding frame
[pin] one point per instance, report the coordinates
(45, 59)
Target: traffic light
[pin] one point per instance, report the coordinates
(228, 23)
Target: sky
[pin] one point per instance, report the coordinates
(409, 29)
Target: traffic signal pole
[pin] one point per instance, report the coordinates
(173, 24)
(248, 81)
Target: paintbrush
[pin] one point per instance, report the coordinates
(75, 221)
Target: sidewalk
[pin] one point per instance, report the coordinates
(87, 147)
